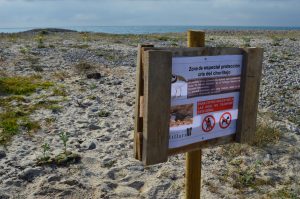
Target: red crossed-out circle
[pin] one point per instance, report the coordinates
(225, 120)
(208, 123)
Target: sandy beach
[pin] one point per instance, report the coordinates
(80, 87)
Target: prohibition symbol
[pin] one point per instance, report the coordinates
(225, 120)
(208, 123)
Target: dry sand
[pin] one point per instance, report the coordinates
(97, 115)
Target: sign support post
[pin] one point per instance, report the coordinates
(193, 158)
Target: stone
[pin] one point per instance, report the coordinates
(92, 146)
(30, 174)
(124, 192)
(93, 76)
(3, 196)
(94, 127)
(117, 82)
(2, 154)
(108, 186)
(136, 185)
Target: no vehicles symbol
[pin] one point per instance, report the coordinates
(208, 123)
(225, 120)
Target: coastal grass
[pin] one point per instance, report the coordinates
(10, 123)
(264, 136)
(16, 106)
(19, 85)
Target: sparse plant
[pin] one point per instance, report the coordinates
(85, 36)
(24, 50)
(247, 41)
(46, 149)
(273, 58)
(59, 92)
(104, 114)
(64, 138)
(84, 67)
(265, 135)
(40, 40)
(55, 108)
(276, 41)
(22, 85)
(93, 86)
(37, 68)
(30, 126)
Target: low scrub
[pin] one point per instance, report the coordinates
(15, 110)
(22, 85)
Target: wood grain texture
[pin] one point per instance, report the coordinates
(138, 120)
(248, 105)
(157, 101)
(193, 174)
(200, 51)
(193, 158)
(195, 38)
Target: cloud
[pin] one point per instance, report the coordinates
(34, 13)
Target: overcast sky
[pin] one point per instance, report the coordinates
(59, 13)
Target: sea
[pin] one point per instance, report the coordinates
(151, 29)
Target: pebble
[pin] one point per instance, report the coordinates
(136, 184)
(94, 127)
(2, 154)
(92, 146)
(30, 174)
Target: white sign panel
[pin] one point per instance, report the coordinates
(204, 98)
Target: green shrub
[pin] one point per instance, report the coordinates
(22, 85)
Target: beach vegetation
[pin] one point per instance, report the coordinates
(37, 68)
(61, 91)
(24, 50)
(81, 46)
(55, 108)
(85, 36)
(64, 158)
(50, 120)
(246, 41)
(285, 192)
(84, 67)
(29, 125)
(32, 59)
(103, 114)
(46, 149)
(224, 44)
(15, 109)
(20, 85)
(64, 138)
(93, 86)
(265, 135)
(273, 58)
(276, 41)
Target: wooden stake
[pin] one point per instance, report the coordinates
(193, 159)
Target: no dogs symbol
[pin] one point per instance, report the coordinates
(225, 120)
(208, 123)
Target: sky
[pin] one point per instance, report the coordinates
(62, 13)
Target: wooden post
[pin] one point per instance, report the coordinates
(251, 75)
(138, 120)
(193, 159)
(157, 97)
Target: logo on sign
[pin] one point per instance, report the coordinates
(189, 131)
(208, 123)
(225, 120)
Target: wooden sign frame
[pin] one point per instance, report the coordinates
(153, 98)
